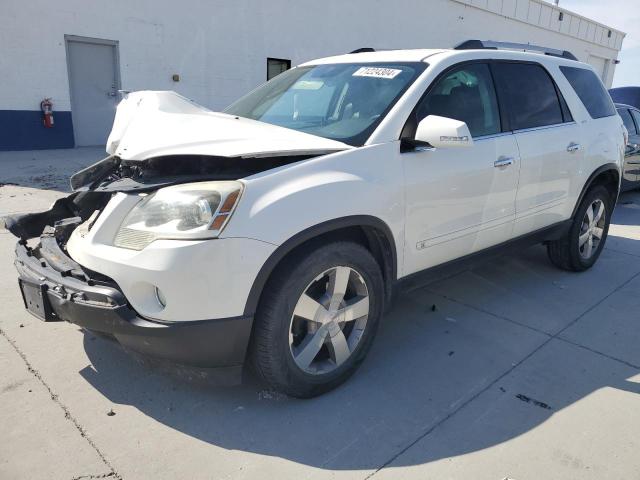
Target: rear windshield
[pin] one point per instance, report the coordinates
(343, 102)
(590, 90)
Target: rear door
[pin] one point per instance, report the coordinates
(548, 139)
(632, 150)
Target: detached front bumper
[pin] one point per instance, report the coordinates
(53, 293)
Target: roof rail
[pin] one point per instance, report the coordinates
(492, 45)
(363, 50)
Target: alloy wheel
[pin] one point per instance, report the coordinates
(329, 320)
(592, 229)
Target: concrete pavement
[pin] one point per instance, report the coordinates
(46, 169)
(522, 371)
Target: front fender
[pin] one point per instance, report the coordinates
(280, 203)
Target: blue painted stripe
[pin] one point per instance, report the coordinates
(24, 130)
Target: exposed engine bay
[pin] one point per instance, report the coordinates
(94, 185)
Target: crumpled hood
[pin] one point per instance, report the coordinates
(151, 124)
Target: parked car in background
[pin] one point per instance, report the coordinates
(626, 95)
(275, 233)
(631, 170)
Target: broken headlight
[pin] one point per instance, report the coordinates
(189, 211)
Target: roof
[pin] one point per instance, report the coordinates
(414, 55)
(428, 55)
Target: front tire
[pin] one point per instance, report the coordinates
(579, 249)
(317, 319)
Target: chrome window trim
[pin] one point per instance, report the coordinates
(523, 130)
(493, 135)
(544, 127)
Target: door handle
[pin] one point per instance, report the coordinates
(573, 147)
(503, 162)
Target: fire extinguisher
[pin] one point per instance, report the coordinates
(46, 106)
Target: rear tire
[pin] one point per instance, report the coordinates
(317, 319)
(580, 248)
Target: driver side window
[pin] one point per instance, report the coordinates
(467, 94)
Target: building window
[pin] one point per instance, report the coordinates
(275, 66)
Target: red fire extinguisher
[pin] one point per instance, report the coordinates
(46, 106)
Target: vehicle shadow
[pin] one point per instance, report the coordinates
(432, 357)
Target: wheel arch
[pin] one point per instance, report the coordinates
(370, 231)
(607, 175)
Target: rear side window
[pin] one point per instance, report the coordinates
(530, 95)
(590, 91)
(465, 93)
(628, 121)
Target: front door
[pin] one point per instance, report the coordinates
(94, 83)
(460, 200)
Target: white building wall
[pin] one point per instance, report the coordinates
(219, 47)
(590, 41)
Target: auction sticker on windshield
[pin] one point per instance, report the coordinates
(377, 72)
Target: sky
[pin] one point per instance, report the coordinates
(622, 15)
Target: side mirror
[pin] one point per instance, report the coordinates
(442, 132)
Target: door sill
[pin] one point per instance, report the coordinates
(452, 267)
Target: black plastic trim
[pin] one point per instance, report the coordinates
(92, 175)
(31, 225)
(309, 234)
(78, 204)
(363, 50)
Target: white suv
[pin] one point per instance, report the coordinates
(275, 233)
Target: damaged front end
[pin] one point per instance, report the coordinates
(93, 188)
(159, 140)
(51, 282)
(94, 185)
(55, 287)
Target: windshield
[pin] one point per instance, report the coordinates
(343, 102)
